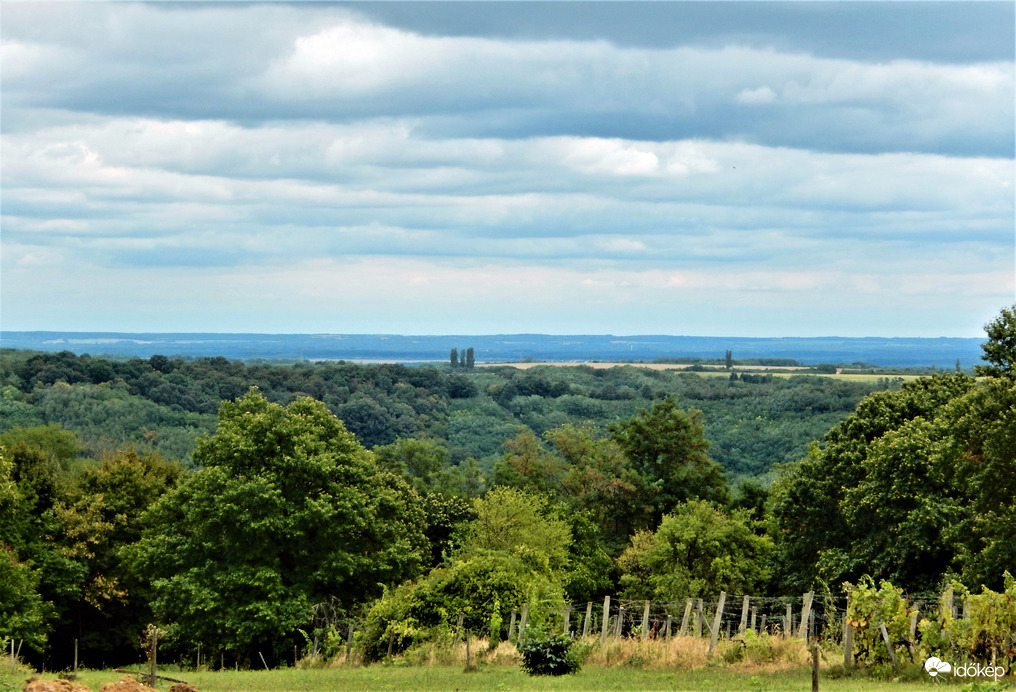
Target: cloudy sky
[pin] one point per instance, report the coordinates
(706, 168)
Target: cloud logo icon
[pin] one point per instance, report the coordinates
(934, 666)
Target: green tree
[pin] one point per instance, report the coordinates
(288, 511)
(816, 536)
(667, 447)
(470, 357)
(99, 517)
(516, 522)
(23, 614)
(453, 358)
(1000, 348)
(697, 551)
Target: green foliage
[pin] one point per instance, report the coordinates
(1000, 348)
(514, 522)
(984, 635)
(835, 511)
(667, 447)
(869, 607)
(22, 613)
(549, 654)
(697, 551)
(482, 588)
(287, 510)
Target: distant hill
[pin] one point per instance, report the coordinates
(884, 352)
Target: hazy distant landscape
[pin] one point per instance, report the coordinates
(883, 352)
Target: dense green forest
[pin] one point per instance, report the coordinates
(751, 420)
(251, 507)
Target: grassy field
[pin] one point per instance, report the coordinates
(500, 678)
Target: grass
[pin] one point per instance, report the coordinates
(508, 678)
(761, 665)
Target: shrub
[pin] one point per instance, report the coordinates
(544, 654)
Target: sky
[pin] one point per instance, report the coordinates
(685, 168)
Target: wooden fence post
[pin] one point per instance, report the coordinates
(754, 613)
(155, 648)
(788, 623)
(669, 621)
(458, 627)
(620, 623)
(848, 644)
(606, 619)
(698, 618)
(715, 633)
(762, 627)
(589, 616)
(522, 622)
(744, 616)
(511, 624)
(349, 642)
(888, 642)
(687, 616)
(645, 621)
(802, 631)
(567, 620)
(913, 627)
(814, 667)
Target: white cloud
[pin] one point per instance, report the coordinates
(333, 155)
(761, 95)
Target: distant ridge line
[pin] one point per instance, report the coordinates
(941, 352)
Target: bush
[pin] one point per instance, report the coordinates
(553, 654)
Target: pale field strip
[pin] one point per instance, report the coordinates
(776, 370)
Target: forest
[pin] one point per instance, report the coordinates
(251, 507)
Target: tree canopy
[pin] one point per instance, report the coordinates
(287, 511)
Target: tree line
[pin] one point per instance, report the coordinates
(282, 510)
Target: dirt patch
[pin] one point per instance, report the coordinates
(126, 684)
(183, 687)
(35, 685)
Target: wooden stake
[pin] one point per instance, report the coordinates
(848, 644)
(155, 649)
(686, 618)
(606, 619)
(698, 618)
(802, 631)
(511, 624)
(888, 643)
(744, 615)
(645, 621)
(589, 616)
(715, 633)
(814, 668)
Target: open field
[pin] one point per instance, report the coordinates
(775, 370)
(497, 677)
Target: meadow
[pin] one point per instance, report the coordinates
(502, 678)
(682, 663)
